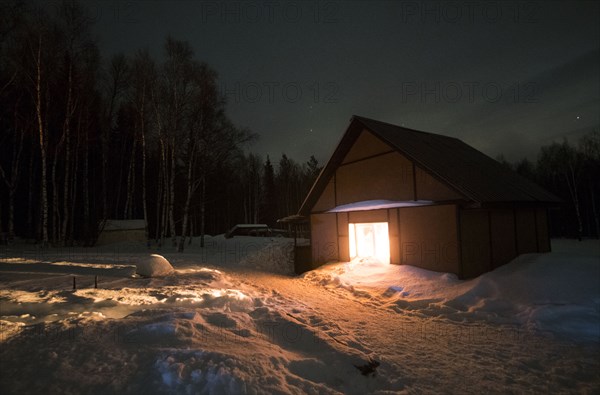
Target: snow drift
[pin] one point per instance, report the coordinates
(272, 255)
(556, 292)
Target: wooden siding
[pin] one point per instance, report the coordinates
(429, 237)
(475, 242)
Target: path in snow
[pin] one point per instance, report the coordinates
(430, 353)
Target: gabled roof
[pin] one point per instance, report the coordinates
(474, 175)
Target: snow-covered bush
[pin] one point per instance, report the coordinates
(153, 266)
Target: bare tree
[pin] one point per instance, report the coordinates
(115, 82)
(201, 124)
(39, 51)
(564, 163)
(589, 146)
(11, 180)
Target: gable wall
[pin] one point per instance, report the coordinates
(366, 145)
(373, 170)
(327, 199)
(388, 176)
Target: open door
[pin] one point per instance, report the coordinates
(369, 240)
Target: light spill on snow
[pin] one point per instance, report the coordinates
(226, 328)
(557, 292)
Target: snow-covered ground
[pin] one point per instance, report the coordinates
(231, 319)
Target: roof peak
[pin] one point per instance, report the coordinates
(361, 119)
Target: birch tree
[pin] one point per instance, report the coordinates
(143, 76)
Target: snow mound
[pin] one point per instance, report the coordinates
(153, 266)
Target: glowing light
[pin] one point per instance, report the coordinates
(369, 240)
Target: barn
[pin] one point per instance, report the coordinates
(409, 197)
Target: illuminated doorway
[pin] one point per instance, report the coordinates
(370, 240)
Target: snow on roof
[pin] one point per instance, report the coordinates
(124, 224)
(378, 204)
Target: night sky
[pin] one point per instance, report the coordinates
(505, 77)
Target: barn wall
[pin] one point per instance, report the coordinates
(542, 230)
(366, 145)
(324, 238)
(368, 216)
(494, 237)
(429, 188)
(394, 231)
(504, 248)
(388, 176)
(526, 230)
(429, 237)
(342, 231)
(475, 242)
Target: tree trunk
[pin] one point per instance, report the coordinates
(143, 138)
(190, 192)
(202, 210)
(67, 133)
(43, 142)
(172, 195)
(192, 227)
(13, 182)
(75, 182)
(56, 217)
(159, 194)
(104, 176)
(86, 190)
(572, 184)
(119, 183)
(595, 210)
(30, 204)
(165, 195)
(128, 211)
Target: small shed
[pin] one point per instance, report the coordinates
(409, 197)
(118, 230)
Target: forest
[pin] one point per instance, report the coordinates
(85, 138)
(571, 171)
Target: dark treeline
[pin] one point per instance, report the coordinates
(84, 139)
(572, 172)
